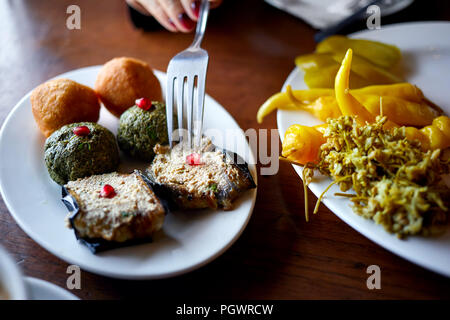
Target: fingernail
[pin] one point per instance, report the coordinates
(172, 24)
(196, 7)
(185, 21)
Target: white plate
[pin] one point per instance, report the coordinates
(42, 290)
(426, 57)
(11, 279)
(188, 240)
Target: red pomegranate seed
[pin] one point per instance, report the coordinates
(107, 191)
(194, 159)
(144, 103)
(81, 131)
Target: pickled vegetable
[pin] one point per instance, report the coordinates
(381, 54)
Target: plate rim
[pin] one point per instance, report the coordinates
(424, 263)
(116, 275)
(32, 282)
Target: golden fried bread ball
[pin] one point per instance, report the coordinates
(123, 80)
(56, 103)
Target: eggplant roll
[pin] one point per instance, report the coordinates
(207, 177)
(112, 209)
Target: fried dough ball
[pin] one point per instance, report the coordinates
(123, 80)
(56, 103)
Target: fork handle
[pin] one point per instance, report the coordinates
(201, 24)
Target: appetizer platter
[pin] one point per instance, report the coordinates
(97, 185)
(422, 72)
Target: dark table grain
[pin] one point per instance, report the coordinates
(252, 47)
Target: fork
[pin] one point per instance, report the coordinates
(188, 66)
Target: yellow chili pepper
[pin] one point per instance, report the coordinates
(277, 101)
(381, 54)
(322, 108)
(321, 78)
(369, 71)
(402, 90)
(321, 68)
(281, 101)
(443, 123)
(412, 133)
(398, 110)
(434, 136)
(348, 105)
(372, 62)
(324, 78)
(301, 144)
(402, 103)
(315, 61)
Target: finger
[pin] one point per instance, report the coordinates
(192, 8)
(159, 14)
(176, 13)
(138, 7)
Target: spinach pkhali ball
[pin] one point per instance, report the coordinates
(141, 127)
(79, 150)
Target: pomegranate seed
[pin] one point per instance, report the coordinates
(81, 131)
(107, 191)
(194, 159)
(144, 103)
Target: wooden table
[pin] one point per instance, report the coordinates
(252, 47)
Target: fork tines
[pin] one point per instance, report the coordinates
(186, 77)
(187, 73)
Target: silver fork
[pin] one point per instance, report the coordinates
(188, 66)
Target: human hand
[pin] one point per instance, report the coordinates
(174, 15)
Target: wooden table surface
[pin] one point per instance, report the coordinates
(251, 47)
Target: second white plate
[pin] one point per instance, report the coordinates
(426, 59)
(42, 290)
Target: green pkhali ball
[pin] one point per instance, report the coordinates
(140, 130)
(69, 156)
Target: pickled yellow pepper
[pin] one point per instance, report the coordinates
(398, 100)
(372, 62)
(434, 136)
(381, 54)
(348, 104)
(302, 143)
